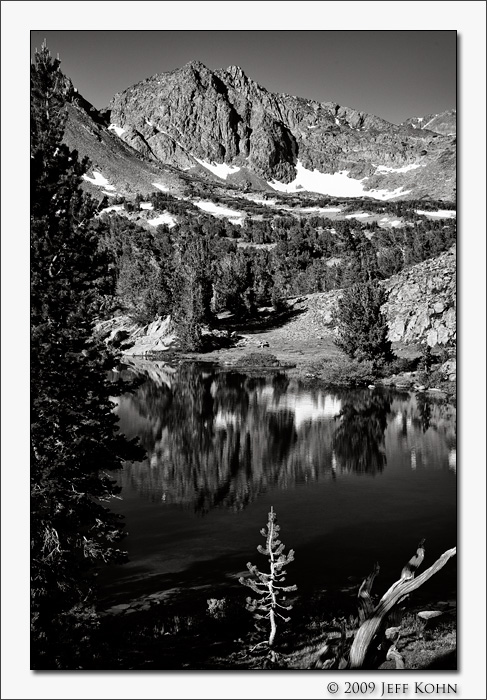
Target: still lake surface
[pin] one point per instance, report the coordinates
(355, 477)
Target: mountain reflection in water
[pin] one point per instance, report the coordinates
(220, 438)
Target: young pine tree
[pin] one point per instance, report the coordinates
(193, 288)
(268, 585)
(73, 429)
(361, 325)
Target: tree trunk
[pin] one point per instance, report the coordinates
(272, 635)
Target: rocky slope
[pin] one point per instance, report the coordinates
(116, 167)
(444, 123)
(422, 302)
(121, 170)
(195, 119)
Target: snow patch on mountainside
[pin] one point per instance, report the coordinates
(318, 210)
(163, 188)
(362, 215)
(117, 129)
(99, 180)
(115, 207)
(300, 210)
(261, 200)
(236, 217)
(221, 170)
(440, 214)
(165, 218)
(404, 169)
(146, 205)
(336, 184)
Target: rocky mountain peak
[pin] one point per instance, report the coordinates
(235, 71)
(194, 118)
(195, 66)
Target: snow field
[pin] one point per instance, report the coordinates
(165, 218)
(336, 184)
(221, 170)
(115, 207)
(117, 129)
(404, 169)
(99, 180)
(440, 214)
(236, 217)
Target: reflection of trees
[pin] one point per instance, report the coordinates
(280, 384)
(220, 438)
(424, 410)
(358, 441)
(212, 440)
(424, 415)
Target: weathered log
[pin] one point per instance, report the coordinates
(366, 606)
(397, 592)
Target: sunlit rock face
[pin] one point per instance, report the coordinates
(221, 121)
(422, 302)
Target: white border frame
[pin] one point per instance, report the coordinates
(18, 18)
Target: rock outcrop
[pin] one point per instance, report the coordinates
(422, 302)
(421, 307)
(137, 339)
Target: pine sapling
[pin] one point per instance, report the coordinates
(268, 586)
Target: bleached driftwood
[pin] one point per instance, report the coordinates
(396, 593)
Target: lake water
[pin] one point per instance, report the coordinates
(355, 477)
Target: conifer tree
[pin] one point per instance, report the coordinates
(361, 326)
(268, 586)
(73, 428)
(193, 288)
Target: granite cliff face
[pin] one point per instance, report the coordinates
(193, 117)
(421, 305)
(422, 302)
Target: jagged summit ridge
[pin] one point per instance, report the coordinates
(193, 116)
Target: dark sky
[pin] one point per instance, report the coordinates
(393, 74)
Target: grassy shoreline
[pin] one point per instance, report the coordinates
(219, 634)
(319, 363)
